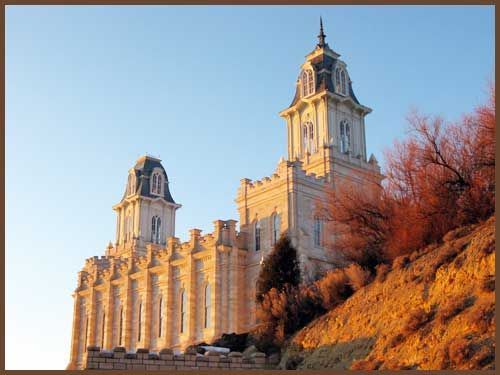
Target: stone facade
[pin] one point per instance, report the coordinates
(165, 359)
(150, 290)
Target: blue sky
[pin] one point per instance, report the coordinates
(90, 89)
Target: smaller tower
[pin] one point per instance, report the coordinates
(146, 212)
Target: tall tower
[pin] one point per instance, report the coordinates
(325, 121)
(146, 212)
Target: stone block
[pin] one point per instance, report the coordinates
(153, 356)
(201, 359)
(152, 367)
(119, 349)
(106, 354)
(235, 355)
(202, 364)
(163, 368)
(105, 366)
(235, 365)
(138, 366)
(178, 362)
(166, 351)
(92, 365)
(130, 355)
(119, 366)
(166, 357)
(189, 363)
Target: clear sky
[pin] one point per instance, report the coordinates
(90, 89)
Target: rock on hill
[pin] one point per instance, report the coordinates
(434, 309)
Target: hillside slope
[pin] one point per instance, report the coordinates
(433, 310)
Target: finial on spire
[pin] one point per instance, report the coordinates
(321, 35)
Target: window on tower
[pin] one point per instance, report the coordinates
(307, 79)
(341, 81)
(308, 137)
(131, 184)
(155, 229)
(345, 136)
(156, 183)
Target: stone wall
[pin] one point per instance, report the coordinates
(119, 359)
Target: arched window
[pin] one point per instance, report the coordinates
(341, 81)
(257, 235)
(307, 82)
(276, 228)
(155, 229)
(345, 136)
(156, 183)
(305, 137)
(317, 232)
(160, 312)
(207, 305)
(131, 184)
(183, 314)
(308, 137)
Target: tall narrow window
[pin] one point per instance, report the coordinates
(345, 136)
(310, 82)
(257, 236)
(139, 322)
(207, 305)
(102, 329)
(343, 82)
(317, 232)
(311, 138)
(121, 327)
(183, 311)
(160, 313)
(307, 82)
(131, 184)
(276, 228)
(155, 229)
(86, 332)
(156, 183)
(308, 137)
(155, 178)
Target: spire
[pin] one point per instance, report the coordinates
(321, 36)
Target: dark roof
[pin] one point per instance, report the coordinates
(143, 172)
(324, 79)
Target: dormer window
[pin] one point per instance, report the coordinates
(156, 183)
(131, 184)
(341, 81)
(307, 82)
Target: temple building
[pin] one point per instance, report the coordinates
(150, 290)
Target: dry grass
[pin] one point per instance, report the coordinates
(483, 315)
(382, 271)
(417, 319)
(414, 324)
(453, 307)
